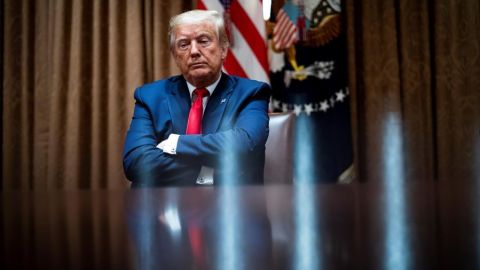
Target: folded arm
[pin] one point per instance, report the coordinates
(249, 132)
(142, 160)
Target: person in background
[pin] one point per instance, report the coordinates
(202, 127)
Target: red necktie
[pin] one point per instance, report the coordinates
(194, 125)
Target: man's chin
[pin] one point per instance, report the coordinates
(201, 75)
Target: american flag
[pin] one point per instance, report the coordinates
(247, 56)
(284, 32)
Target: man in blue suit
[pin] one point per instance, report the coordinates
(169, 141)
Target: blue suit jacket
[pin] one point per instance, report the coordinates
(235, 129)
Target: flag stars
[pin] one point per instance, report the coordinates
(340, 96)
(308, 108)
(332, 102)
(297, 109)
(313, 107)
(324, 106)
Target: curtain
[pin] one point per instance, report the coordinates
(70, 69)
(69, 72)
(414, 75)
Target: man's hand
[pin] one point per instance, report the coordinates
(169, 145)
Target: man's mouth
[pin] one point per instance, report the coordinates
(196, 65)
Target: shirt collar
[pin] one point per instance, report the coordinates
(210, 88)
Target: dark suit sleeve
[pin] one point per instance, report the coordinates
(248, 134)
(142, 160)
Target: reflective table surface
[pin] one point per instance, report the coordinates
(357, 226)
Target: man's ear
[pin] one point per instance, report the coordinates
(224, 52)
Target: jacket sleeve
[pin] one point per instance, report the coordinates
(248, 134)
(142, 160)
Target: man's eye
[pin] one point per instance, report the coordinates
(204, 41)
(182, 45)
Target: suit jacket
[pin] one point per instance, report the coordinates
(235, 130)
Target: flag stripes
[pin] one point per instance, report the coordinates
(250, 33)
(247, 56)
(284, 32)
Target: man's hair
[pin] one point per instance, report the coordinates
(196, 17)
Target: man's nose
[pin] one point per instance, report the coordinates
(194, 49)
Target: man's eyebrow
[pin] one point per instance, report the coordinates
(182, 39)
(204, 33)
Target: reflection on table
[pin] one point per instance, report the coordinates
(357, 226)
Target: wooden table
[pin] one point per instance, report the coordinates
(358, 226)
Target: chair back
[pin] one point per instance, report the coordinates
(279, 149)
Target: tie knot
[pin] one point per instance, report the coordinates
(201, 92)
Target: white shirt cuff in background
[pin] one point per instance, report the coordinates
(205, 177)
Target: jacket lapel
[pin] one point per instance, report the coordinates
(179, 105)
(216, 104)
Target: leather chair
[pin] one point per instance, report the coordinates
(279, 149)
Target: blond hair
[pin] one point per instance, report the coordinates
(195, 17)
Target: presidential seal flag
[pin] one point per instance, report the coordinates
(307, 59)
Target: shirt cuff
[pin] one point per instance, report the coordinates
(169, 146)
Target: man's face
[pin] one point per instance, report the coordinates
(198, 53)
